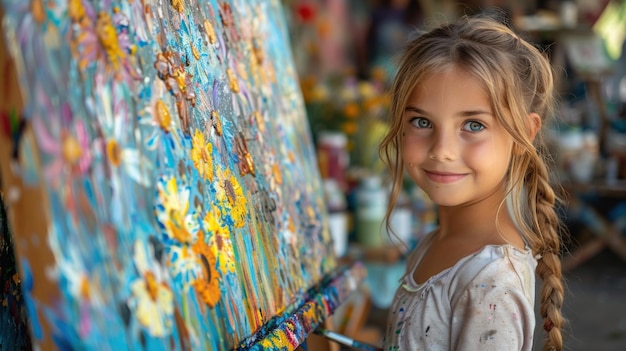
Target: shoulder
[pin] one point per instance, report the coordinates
(502, 266)
(492, 300)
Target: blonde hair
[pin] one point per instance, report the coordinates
(519, 81)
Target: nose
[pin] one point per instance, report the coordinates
(443, 147)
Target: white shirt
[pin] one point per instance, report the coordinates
(484, 302)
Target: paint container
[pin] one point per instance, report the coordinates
(568, 13)
(371, 200)
(337, 216)
(401, 222)
(332, 156)
(578, 153)
(616, 148)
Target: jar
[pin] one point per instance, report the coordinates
(371, 206)
(332, 156)
(401, 222)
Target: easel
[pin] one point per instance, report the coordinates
(228, 302)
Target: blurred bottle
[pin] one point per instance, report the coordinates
(371, 200)
(568, 13)
(332, 156)
(337, 216)
(401, 222)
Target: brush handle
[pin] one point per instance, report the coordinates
(345, 340)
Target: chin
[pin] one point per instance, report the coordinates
(447, 203)
(442, 199)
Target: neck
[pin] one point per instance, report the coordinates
(485, 217)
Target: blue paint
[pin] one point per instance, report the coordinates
(98, 214)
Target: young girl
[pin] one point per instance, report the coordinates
(467, 105)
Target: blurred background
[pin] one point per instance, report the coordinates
(344, 51)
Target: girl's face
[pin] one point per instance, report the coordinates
(453, 146)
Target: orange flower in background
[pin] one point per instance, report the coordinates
(351, 110)
(350, 128)
(324, 29)
(378, 74)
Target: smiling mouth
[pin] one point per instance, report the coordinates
(444, 177)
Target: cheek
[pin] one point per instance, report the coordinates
(488, 153)
(413, 150)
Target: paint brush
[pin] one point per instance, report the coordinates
(345, 340)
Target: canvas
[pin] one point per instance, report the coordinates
(160, 176)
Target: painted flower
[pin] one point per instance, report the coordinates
(172, 70)
(230, 195)
(229, 23)
(210, 32)
(220, 240)
(184, 266)
(102, 39)
(191, 261)
(142, 21)
(178, 5)
(191, 43)
(158, 115)
(181, 228)
(152, 300)
(245, 162)
(113, 114)
(201, 155)
(178, 222)
(69, 150)
(207, 284)
(268, 207)
(126, 164)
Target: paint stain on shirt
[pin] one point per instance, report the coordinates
(486, 336)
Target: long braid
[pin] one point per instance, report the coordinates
(542, 200)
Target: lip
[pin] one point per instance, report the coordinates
(444, 177)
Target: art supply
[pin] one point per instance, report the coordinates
(332, 155)
(337, 215)
(346, 341)
(371, 199)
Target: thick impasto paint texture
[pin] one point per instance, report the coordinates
(180, 202)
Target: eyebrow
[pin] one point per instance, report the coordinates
(468, 113)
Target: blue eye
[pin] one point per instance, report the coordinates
(473, 126)
(421, 122)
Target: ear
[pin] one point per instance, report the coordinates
(534, 127)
